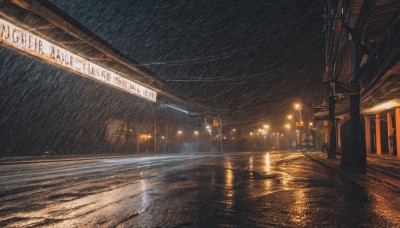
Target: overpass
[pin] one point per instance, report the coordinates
(39, 29)
(362, 79)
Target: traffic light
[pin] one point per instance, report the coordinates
(215, 123)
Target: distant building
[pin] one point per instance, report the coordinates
(116, 131)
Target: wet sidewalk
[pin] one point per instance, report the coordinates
(385, 168)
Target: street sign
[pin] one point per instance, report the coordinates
(299, 124)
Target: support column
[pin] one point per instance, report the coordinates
(326, 132)
(332, 135)
(397, 117)
(378, 133)
(354, 154)
(339, 132)
(390, 132)
(368, 147)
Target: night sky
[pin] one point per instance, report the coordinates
(251, 58)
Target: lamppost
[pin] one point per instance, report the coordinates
(196, 134)
(217, 122)
(209, 130)
(290, 117)
(288, 127)
(311, 124)
(298, 108)
(264, 134)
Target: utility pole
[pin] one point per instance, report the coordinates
(166, 138)
(314, 134)
(220, 142)
(155, 130)
(301, 143)
(220, 136)
(332, 135)
(137, 141)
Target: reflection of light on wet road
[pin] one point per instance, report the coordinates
(267, 163)
(300, 206)
(229, 191)
(145, 201)
(246, 189)
(251, 166)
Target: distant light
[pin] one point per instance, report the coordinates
(208, 127)
(282, 135)
(383, 106)
(251, 133)
(289, 117)
(196, 133)
(179, 132)
(144, 136)
(176, 108)
(287, 126)
(234, 130)
(311, 123)
(266, 126)
(162, 137)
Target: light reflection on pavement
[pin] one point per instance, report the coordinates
(238, 189)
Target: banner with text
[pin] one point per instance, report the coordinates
(25, 41)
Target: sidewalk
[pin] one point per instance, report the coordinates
(383, 168)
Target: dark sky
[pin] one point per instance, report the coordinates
(251, 58)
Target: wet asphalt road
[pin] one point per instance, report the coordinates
(257, 189)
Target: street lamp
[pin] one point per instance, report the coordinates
(298, 108)
(289, 117)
